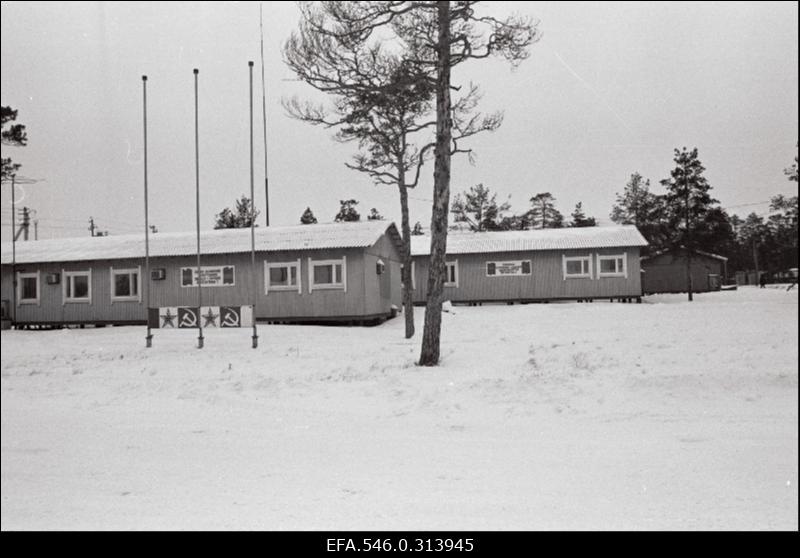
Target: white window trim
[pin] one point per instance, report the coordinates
(134, 298)
(565, 259)
(295, 264)
(454, 263)
(37, 301)
(523, 274)
(65, 275)
(623, 273)
(330, 286)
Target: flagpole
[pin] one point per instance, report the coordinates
(264, 114)
(149, 338)
(14, 285)
(197, 197)
(252, 216)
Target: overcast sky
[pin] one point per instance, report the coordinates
(611, 89)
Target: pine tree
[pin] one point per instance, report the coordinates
(792, 172)
(308, 217)
(479, 209)
(638, 206)
(15, 135)
(687, 203)
(417, 230)
(579, 219)
(543, 213)
(347, 211)
(374, 215)
(242, 218)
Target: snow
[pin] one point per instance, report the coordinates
(663, 415)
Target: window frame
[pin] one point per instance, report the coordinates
(448, 265)
(614, 258)
(582, 275)
(66, 277)
(341, 285)
(29, 275)
(127, 271)
(277, 265)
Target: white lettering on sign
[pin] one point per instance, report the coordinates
(216, 276)
(496, 269)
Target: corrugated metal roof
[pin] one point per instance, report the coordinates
(540, 239)
(224, 241)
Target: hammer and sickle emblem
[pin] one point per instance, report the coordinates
(231, 318)
(189, 319)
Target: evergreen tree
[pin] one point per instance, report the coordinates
(308, 217)
(242, 218)
(792, 172)
(687, 204)
(15, 135)
(755, 239)
(417, 230)
(783, 222)
(479, 209)
(374, 215)
(579, 219)
(640, 207)
(543, 213)
(347, 211)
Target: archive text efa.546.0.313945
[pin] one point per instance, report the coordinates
(399, 545)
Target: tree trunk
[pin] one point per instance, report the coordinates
(407, 276)
(689, 274)
(429, 355)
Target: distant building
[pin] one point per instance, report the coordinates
(665, 272)
(584, 263)
(343, 272)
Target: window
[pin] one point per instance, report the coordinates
(212, 276)
(611, 266)
(187, 277)
(28, 288)
(451, 276)
(125, 285)
(577, 267)
(327, 274)
(77, 286)
(284, 276)
(501, 269)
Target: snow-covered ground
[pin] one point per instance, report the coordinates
(661, 415)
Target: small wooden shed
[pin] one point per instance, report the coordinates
(339, 272)
(583, 263)
(665, 272)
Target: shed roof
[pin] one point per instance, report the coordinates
(541, 239)
(224, 241)
(698, 252)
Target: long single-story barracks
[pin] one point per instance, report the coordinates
(583, 264)
(340, 272)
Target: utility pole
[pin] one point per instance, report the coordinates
(24, 225)
(92, 226)
(26, 221)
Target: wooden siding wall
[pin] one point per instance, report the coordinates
(382, 291)
(667, 273)
(546, 281)
(361, 298)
